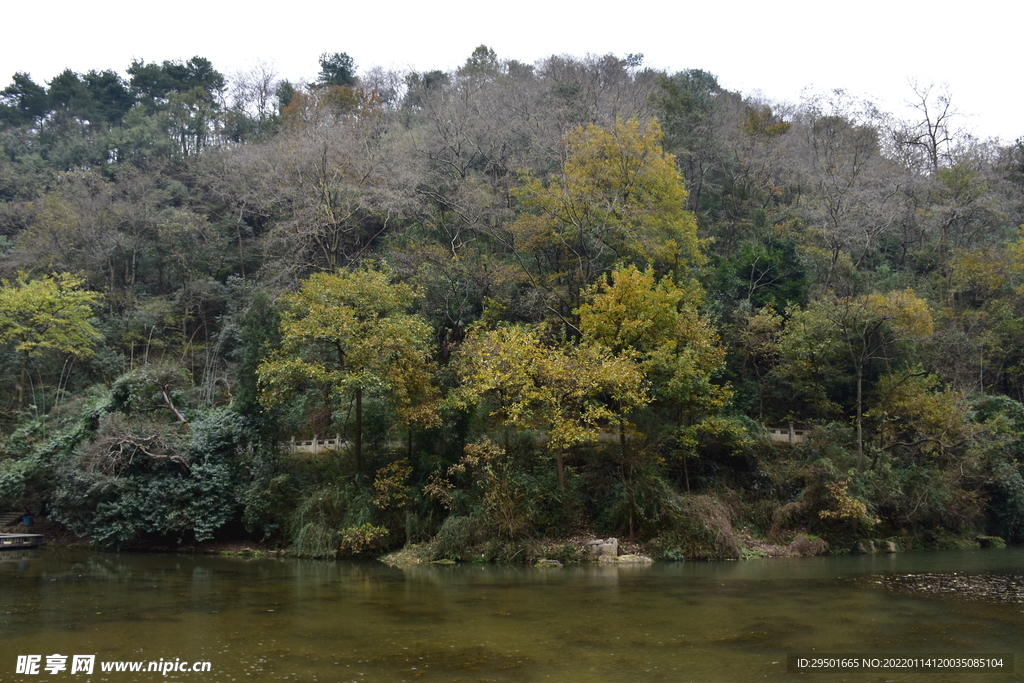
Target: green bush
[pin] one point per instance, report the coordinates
(456, 537)
(702, 530)
(1007, 504)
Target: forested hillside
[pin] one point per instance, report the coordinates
(524, 301)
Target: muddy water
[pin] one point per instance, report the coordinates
(293, 620)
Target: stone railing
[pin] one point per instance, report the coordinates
(787, 434)
(314, 445)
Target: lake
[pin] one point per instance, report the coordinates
(306, 620)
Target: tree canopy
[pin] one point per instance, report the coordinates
(632, 280)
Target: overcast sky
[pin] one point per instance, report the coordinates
(871, 48)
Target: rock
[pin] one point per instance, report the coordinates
(634, 559)
(625, 559)
(990, 542)
(804, 545)
(544, 563)
(866, 548)
(606, 547)
(891, 547)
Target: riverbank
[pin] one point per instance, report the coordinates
(578, 549)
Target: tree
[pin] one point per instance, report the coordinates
(571, 391)
(337, 69)
(619, 198)
(134, 472)
(758, 346)
(930, 142)
(915, 416)
(853, 192)
(326, 181)
(656, 325)
(482, 63)
(153, 83)
(97, 97)
(51, 313)
(68, 93)
(349, 335)
(253, 95)
(859, 331)
(687, 102)
(110, 97)
(260, 335)
(187, 95)
(23, 101)
(965, 214)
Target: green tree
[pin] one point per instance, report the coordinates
(187, 95)
(858, 334)
(153, 83)
(483, 62)
(23, 101)
(350, 334)
(68, 93)
(260, 335)
(687, 105)
(109, 95)
(337, 69)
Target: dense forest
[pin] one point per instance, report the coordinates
(516, 302)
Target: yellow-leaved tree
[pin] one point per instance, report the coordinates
(569, 391)
(349, 334)
(655, 324)
(618, 198)
(51, 314)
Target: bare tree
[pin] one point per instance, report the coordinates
(931, 141)
(853, 191)
(252, 92)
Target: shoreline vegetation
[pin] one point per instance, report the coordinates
(499, 313)
(546, 552)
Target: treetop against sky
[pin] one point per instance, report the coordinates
(874, 49)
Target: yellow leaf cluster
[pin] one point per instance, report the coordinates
(49, 313)
(619, 198)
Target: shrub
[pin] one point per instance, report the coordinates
(702, 531)
(456, 537)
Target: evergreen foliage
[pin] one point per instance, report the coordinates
(528, 300)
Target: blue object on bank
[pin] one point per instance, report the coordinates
(27, 520)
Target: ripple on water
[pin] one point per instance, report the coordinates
(989, 587)
(449, 662)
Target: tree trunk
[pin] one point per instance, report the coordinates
(359, 430)
(860, 420)
(560, 460)
(170, 405)
(686, 474)
(21, 384)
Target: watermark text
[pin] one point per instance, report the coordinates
(86, 664)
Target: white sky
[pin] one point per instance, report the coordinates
(869, 48)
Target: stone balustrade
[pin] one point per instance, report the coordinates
(787, 434)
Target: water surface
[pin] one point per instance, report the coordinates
(298, 620)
